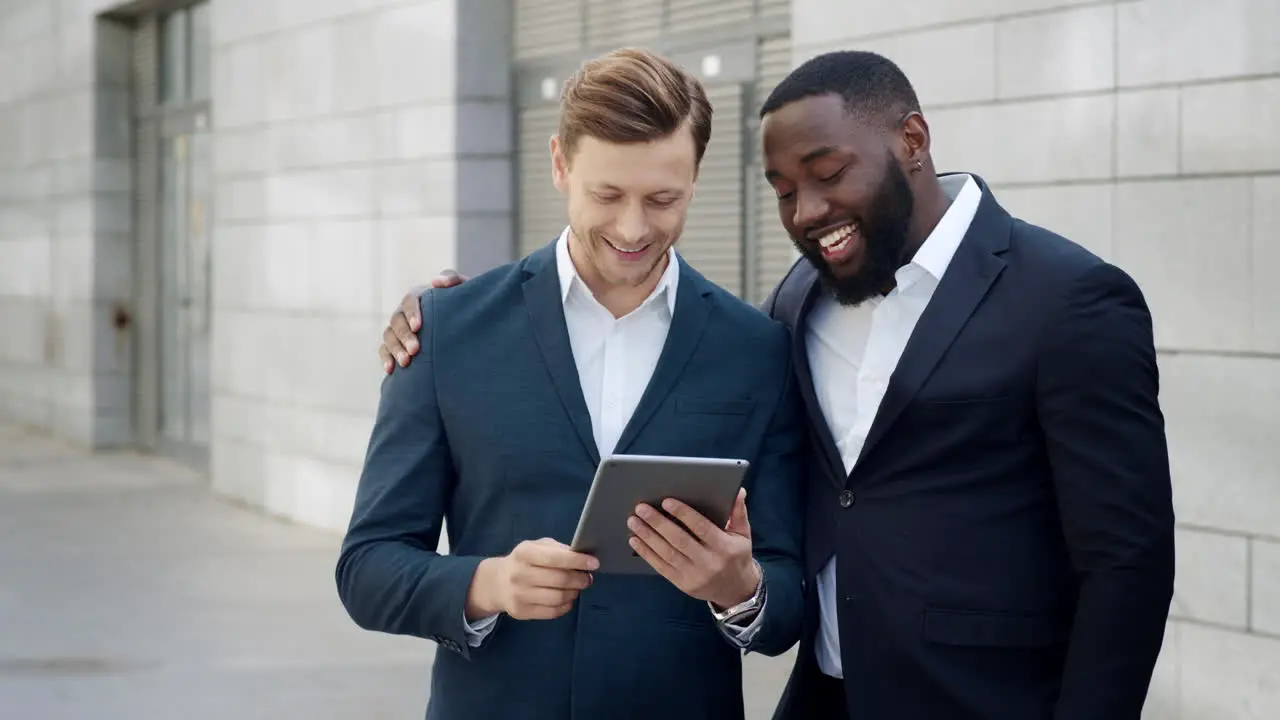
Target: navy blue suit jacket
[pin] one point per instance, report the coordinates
(1005, 540)
(487, 429)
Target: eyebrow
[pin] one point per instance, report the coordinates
(804, 160)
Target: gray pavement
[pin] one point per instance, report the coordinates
(129, 592)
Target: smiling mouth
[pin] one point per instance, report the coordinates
(637, 251)
(836, 242)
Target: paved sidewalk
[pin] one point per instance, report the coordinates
(128, 592)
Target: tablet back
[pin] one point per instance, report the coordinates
(708, 485)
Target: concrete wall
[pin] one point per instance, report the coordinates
(64, 225)
(1145, 130)
(360, 148)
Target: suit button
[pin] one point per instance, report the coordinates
(847, 499)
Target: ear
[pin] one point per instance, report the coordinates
(915, 139)
(559, 165)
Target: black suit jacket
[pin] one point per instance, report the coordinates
(1005, 540)
(488, 429)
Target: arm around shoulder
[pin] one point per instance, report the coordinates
(389, 574)
(1098, 403)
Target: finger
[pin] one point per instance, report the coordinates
(406, 336)
(411, 308)
(388, 364)
(657, 532)
(391, 344)
(702, 528)
(738, 523)
(551, 554)
(555, 578)
(548, 597)
(654, 559)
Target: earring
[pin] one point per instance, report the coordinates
(919, 166)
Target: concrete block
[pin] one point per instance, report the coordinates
(25, 20)
(1178, 41)
(485, 185)
(324, 434)
(263, 267)
(112, 175)
(1074, 141)
(484, 59)
(345, 140)
(941, 83)
(110, 57)
(1264, 602)
(1080, 213)
(243, 82)
(74, 266)
(415, 54)
(26, 266)
(1230, 127)
(299, 73)
(113, 268)
(815, 22)
(485, 128)
(242, 151)
(240, 199)
(113, 122)
(342, 192)
(24, 323)
(411, 252)
(344, 373)
(311, 491)
(241, 341)
(420, 187)
(484, 242)
(1147, 132)
(234, 20)
(1227, 674)
(342, 267)
(238, 470)
(430, 130)
(1054, 53)
(1160, 236)
(1222, 429)
(1212, 578)
(1266, 264)
(355, 64)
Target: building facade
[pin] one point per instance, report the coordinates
(208, 210)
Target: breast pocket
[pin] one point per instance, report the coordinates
(710, 426)
(981, 420)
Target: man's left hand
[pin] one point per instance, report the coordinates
(711, 564)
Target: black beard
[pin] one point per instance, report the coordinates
(884, 236)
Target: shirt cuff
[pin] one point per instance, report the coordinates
(478, 630)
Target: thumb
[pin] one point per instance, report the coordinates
(738, 523)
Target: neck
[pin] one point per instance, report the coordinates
(931, 203)
(618, 299)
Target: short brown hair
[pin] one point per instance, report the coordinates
(630, 96)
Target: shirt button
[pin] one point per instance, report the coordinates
(847, 499)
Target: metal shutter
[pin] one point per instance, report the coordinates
(542, 207)
(547, 27)
(685, 15)
(774, 9)
(611, 23)
(712, 239)
(774, 251)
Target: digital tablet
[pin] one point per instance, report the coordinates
(708, 485)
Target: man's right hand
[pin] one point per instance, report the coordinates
(538, 580)
(400, 339)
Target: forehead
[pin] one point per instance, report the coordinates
(799, 129)
(663, 163)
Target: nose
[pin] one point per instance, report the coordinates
(632, 225)
(811, 208)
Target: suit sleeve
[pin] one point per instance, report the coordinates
(775, 509)
(390, 577)
(1097, 397)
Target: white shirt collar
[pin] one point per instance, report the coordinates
(569, 277)
(935, 254)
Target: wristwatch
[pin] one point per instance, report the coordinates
(744, 608)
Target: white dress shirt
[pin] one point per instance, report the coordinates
(616, 358)
(854, 350)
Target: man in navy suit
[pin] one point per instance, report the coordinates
(603, 342)
(989, 524)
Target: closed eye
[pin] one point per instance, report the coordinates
(835, 176)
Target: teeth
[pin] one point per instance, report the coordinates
(837, 239)
(628, 252)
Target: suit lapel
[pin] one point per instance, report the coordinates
(687, 324)
(810, 289)
(546, 310)
(973, 269)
